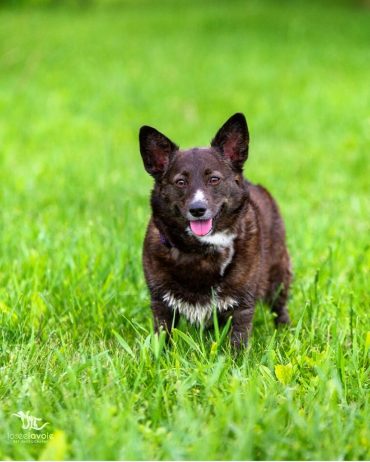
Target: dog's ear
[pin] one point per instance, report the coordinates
(156, 150)
(233, 140)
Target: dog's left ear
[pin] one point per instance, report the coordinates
(156, 150)
(233, 140)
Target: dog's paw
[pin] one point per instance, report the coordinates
(282, 320)
(239, 341)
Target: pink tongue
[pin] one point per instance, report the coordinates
(201, 227)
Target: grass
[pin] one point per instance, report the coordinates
(77, 347)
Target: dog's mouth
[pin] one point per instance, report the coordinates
(204, 227)
(201, 227)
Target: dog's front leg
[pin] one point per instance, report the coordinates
(164, 317)
(241, 326)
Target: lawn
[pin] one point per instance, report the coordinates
(77, 346)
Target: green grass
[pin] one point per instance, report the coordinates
(77, 347)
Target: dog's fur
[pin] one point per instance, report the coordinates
(241, 260)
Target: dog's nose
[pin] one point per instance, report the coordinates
(198, 209)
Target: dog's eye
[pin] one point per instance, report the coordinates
(214, 180)
(180, 183)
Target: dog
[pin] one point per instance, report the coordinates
(214, 241)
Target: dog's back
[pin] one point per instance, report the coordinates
(276, 272)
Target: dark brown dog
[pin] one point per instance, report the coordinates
(214, 241)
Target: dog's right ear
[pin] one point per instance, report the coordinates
(156, 150)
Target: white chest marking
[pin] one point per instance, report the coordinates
(199, 196)
(228, 259)
(224, 241)
(197, 313)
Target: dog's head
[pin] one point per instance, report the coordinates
(199, 191)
